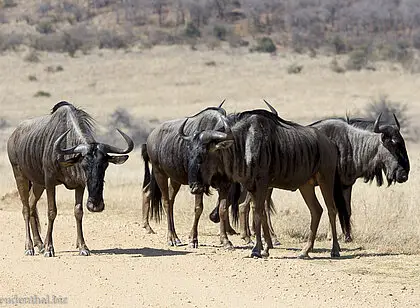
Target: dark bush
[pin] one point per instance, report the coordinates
(137, 129)
(32, 78)
(42, 94)
(383, 105)
(3, 123)
(45, 27)
(294, 68)
(339, 45)
(220, 32)
(357, 60)
(10, 41)
(53, 42)
(264, 44)
(335, 67)
(192, 31)
(112, 40)
(9, 3)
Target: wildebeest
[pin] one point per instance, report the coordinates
(37, 151)
(366, 148)
(260, 150)
(168, 154)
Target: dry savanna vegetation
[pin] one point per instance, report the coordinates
(133, 64)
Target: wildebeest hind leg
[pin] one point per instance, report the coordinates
(327, 193)
(223, 212)
(308, 193)
(258, 200)
(269, 204)
(78, 214)
(35, 193)
(23, 186)
(145, 209)
(244, 209)
(347, 197)
(172, 236)
(198, 210)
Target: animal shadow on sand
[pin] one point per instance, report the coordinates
(140, 252)
(343, 256)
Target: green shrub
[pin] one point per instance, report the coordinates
(357, 60)
(45, 27)
(192, 31)
(264, 44)
(220, 32)
(42, 94)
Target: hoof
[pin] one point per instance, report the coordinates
(228, 245)
(41, 249)
(231, 232)
(84, 252)
(265, 254)
(29, 252)
(149, 230)
(303, 256)
(176, 242)
(276, 243)
(335, 254)
(256, 254)
(194, 244)
(348, 239)
(49, 253)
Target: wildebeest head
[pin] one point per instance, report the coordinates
(94, 158)
(202, 148)
(395, 160)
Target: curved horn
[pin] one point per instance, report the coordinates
(80, 148)
(114, 150)
(221, 104)
(208, 136)
(271, 108)
(181, 131)
(347, 117)
(396, 121)
(376, 125)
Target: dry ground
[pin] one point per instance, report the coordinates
(129, 268)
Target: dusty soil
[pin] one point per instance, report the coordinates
(129, 268)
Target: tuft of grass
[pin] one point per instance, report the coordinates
(294, 68)
(54, 69)
(210, 63)
(335, 67)
(32, 78)
(264, 44)
(32, 56)
(42, 94)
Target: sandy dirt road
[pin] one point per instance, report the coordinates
(129, 268)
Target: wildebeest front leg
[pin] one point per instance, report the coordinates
(198, 210)
(347, 199)
(145, 209)
(223, 212)
(308, 194)
(22, 184)
(35, 194)
(52, 213)
(78, 214)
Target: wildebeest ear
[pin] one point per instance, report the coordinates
(118, 160)
(71, 161)
(221, 145)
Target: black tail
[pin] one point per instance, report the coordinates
(145, 155)
(156, 207)
(271, 208)
(340, 203)
(233, 199)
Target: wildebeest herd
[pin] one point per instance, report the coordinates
(242, 155)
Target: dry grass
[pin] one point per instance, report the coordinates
(169, 82)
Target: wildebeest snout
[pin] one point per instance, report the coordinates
(402, 176)
(95, 206)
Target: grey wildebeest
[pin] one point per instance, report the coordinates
(366, 148)
(261, 151)
(168, 154)
(37, 151)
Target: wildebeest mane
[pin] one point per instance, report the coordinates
(262, 112)
(82, 124)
